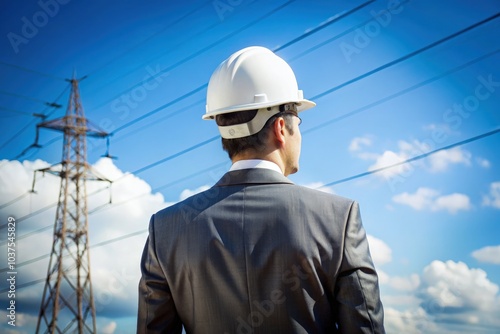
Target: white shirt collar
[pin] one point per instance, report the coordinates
(255, 163)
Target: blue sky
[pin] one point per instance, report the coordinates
(392, 80)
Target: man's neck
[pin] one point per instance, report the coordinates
(273, 157)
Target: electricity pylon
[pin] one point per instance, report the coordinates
(67, 302)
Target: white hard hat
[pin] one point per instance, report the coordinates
(252, 78)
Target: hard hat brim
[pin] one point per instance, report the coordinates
(301, 106)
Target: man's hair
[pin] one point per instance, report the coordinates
(255, 142)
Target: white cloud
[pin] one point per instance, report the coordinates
(420, 200)
(23, 321)
(440, 161)
(389, 158)
(448, 297)
(438, 133)
(109, 328)
(452, 203)
(389, 207)
(437, 162)
(431, 127)
(383, 277)
(483, 162)
(401, 300)
(427, 198)
(409, 283)
(412, 321)
(488, 254)
(493, 198)
(454, 286)
(381, 253)
(358, 143)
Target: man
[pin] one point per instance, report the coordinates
(256, 253)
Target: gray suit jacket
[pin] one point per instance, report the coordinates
(258, 254)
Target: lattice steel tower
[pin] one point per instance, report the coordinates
(67, 302)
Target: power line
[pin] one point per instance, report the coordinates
(409, 55)
(170, 157)
(17, 199)
(194, 91)
(30, 124)
(34, 213)
(399, 93)
(169, 50)
(103, 243)
(330, 90)
(339, 118)
(37, 146)
(152, 112)
(135, 120)
(415, 158)
(33, 121)
(199, 52)
(353, 28)
(148, 125)
(29, 98)
(24, 263)
(205, 49)
(28, 234)
(389, 64)
(32, 71)
(351, 113)
(323, 25)
(22, 112)
(25, 285)
(180, 19)
(39, 258)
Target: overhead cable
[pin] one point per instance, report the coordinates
(405, 57)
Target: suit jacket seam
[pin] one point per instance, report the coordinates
(245, 252)
(357, 276)
(190, 273)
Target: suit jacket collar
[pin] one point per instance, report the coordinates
(252, 176)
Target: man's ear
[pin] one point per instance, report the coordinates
(279, 128)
